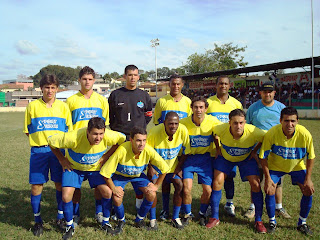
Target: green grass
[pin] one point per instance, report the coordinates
(16, 216)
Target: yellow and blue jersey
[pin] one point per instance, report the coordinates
(82, 109)
(287, 155)
(169, 150)
(80, 153)
(238, 150)
(41, 122)
(124, 162)
(221, 111)
(167, 104)
(201, 137)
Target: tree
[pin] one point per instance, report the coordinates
(107, 77)
(220, 58)
(65, 75)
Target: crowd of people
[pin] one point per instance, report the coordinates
(207, 135)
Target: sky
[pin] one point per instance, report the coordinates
(107, 35)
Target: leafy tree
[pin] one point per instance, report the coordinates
(66, 75)
(226, 56)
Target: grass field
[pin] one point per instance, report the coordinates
(16, 216)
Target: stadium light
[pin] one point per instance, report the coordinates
(154, 44)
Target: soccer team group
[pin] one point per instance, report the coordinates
(210, 137)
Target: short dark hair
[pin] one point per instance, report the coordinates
(237, 112)
(175, 76)
(199, 99)
(86, 70)
(49, 79)
(137, 130)
(171, 115)
(130, 67)
(222, 76)
(289, 111)
(96, 122)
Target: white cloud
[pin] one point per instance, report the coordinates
(24, 47)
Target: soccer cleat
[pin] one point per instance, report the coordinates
(260, 227)
(99, 217)
(177, 223)
(119, 228)
(282, 213)
(230, 210)
(140, 224)
(202, 219)
(61, 224)
(186, 219)
(250, 213)
(76, 221)
(108, 228)
(272, 227)
(304, 228)
(164, 215)
(212, 222)
(69, 233)
(153, 225)
(209, 211)
(37, 229)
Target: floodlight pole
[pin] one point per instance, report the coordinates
(154, 44)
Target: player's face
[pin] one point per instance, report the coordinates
(95, 136)
(132, 77)
(138, 143)
(171, 125)
(237, 125)
(176, 86)
(49, 91)
(223, 86)
(86, 82)
(199, 109)
(267, 96)
(289, 123)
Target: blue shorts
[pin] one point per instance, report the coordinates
(76, 177)
(41, 160)
(296, 176)
(168, 178)
(246, 167)
(200, 164)
(136, 182)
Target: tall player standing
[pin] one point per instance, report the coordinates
(220, 105)
(85, 105)
(44, 117)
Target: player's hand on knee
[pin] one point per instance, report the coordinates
(308, 188)
(151, 188)
(118, 192)
(178, 172)
(269, 186)
(66, 165)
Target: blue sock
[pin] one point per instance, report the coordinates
(271, 207)
(59, 202)
(106, 204)
(229, 188)
(305, 206)
(176, 211)
(35, 204)
(119, 211)
(186, 208)
(215, 200)
(165, 201)
(203, 208)
(68, 212)
(144, 209)
(153, 213)
(98, 206)
(257, 199)
(76, 209)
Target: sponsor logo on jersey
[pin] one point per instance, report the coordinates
(130, 170)
(168, 154)
(289, 153)
(140, 104)
(200, 141)
(180, 114)
(83, 114)
(86, 159)
(236, 151)
(222, 117)
(47, 124)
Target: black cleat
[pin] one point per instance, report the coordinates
(108, 228)
(304, 228)
(153, 225)
(140, 224)
(37, 229)
(61, 224)
(119, 228)
(202, 219)
(69, 233)
(186, 219)
(272, 227)
(177, 223)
